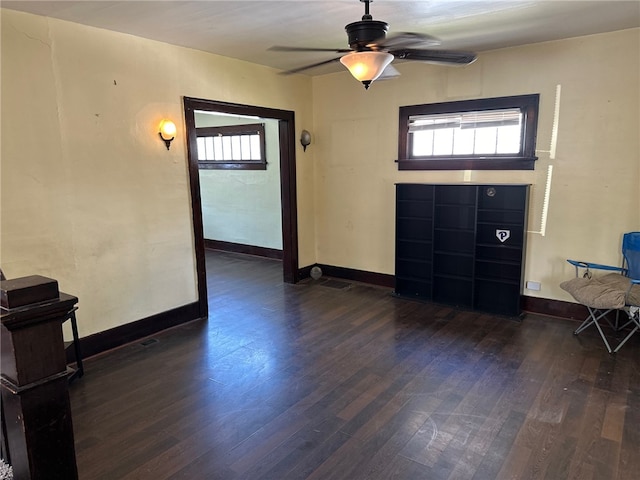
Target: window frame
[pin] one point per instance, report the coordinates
(234, 130)
(524, 160)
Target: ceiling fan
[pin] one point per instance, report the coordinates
(370, 51)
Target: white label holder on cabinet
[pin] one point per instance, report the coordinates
(503, 235)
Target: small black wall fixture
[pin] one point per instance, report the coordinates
(167, 132)
(305, 139)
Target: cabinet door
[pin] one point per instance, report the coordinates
(454, 244)
(414, 240)
(500, 240)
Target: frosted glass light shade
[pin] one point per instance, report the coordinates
(167, 132)
(167, 129)
(366, 66)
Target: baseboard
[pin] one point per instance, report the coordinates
(372, 278)
(554, 308)
(542, 306)
(241, 248)
(118, 336)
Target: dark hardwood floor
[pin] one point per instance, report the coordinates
(334, 380)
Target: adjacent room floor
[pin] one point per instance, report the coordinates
(330, 379)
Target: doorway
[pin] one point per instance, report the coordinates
(286, 134)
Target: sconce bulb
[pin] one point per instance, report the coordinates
(168, 128)
(305, 139)
(167, 132)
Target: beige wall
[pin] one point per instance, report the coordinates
(90, 195)
(594, 195)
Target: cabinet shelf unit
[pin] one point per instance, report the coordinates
(462, 244)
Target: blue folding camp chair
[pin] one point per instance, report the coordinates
(617, 291)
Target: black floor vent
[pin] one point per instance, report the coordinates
(335, 284)
(149, 341)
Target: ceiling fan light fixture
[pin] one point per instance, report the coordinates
(366, 66)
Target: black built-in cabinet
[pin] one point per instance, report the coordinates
(462, 245)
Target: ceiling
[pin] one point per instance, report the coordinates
(246, 29)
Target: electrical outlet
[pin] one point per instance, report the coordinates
(533, 285)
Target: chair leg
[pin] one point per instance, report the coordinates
(590, 319)
(617, 325)
(634, 319)
(594, 316)
(624, 340)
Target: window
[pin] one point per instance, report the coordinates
(484, 134)
(239, 147)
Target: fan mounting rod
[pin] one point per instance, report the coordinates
(367, 31)
(366, 15)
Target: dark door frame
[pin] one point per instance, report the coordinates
(286, 131)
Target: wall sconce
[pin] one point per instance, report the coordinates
(305, 139)
(167, 132)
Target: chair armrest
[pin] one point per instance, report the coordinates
(596, 266)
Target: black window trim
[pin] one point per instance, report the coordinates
(525, 160)
(250, 128)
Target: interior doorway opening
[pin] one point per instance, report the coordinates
(286, 136)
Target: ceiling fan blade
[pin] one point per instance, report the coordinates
(280, 48)
(407, 40)
(455, 57)
(313, 65)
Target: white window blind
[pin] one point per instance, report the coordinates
(480, 119)
(485, 132)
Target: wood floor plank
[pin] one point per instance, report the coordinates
(371, 458)
(614, 418)
(307, 381)
(629, 459)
